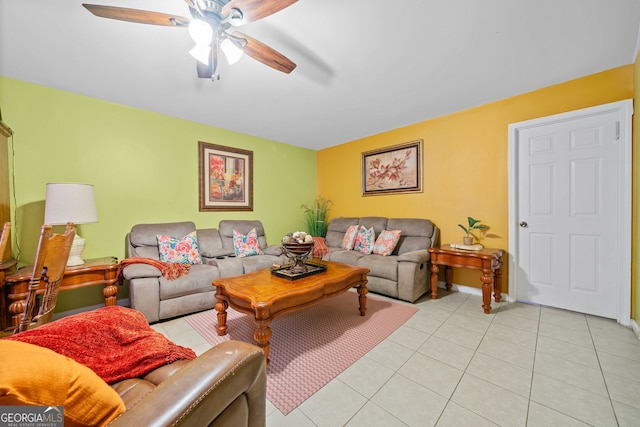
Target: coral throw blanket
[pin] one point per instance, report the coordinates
(115, 342)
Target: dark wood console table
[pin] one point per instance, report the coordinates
(98, 271)
(489, 261)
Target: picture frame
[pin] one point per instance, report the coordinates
(225, 178)
(393, 170)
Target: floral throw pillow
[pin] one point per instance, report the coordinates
(349, 237)
(386, 242)
(246, 245)
(183, 251)
(364, 240)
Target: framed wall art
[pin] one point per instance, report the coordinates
(396, 169)
(226, 178)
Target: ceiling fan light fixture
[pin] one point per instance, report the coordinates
(200, 32)
(202, 52)
(232, 52)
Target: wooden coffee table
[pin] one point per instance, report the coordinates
(265, 296)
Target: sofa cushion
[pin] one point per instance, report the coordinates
(365, 240)
(380, 266)
(34, 375)
(417, 234)
(347, 257)
(349, 237)
(336, 230)
(144, 241)
(183, 251)
(227, 226)
(386, 242)
(198, 280)
(246, 244)
(377, 222)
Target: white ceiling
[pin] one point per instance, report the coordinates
(364, 66)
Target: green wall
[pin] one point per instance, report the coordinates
(144, 167)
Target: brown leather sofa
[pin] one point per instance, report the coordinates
(225, 386)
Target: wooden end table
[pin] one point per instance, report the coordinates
(98, 271)
(265, 296)
(489, 261)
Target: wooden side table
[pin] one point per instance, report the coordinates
(98, 271)
(489, 261)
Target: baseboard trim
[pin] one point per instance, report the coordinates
(469, 290)
(122, 302)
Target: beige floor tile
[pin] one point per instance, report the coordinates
(514, 321)
(447, 352)
(494, 403)
(542, 416)
(508, 352)
(410, 402)
(564, 318)
(512, 335)
(506, 375)
(458, 335)
(469, 321)
(610, 328)
(623, 389)
(575, 374)
(456, 416)
(526, 311)
(431, 373)
(620, 366)
(333, 405)
(427, 321)
(622, 348)
(371, 415)
(568, 351)
(580, 337)
(575, 402)
(390, 354)
(294, 418)
(628, 416)
(366, 376)
(409, 337)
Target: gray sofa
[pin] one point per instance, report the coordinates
(404, 274)
(159, 298)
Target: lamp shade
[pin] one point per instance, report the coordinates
(70, 202)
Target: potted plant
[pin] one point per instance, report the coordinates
(315, 219)
(474, 224)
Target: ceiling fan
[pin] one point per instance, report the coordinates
(210, 27)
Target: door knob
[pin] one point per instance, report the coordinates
(523, 224)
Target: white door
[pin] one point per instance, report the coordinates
(570, 202)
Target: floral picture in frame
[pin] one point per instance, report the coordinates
(226, 178)
(395, 169)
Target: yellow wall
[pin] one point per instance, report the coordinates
(465, 161)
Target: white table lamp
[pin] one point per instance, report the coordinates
(71, 202)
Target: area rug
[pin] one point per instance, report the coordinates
(311, 347)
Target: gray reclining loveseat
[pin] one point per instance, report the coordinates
(404, 274)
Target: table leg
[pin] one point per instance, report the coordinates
(262, 335)
(434, 280)
(109, 293)
(221, 307)
(362, 298)
(497, 285)
(16, 309)
(487, 278)
(448, 276)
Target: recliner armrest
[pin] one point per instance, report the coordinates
(201, 391)
(273, 250)
(137, 271)
(418, 256)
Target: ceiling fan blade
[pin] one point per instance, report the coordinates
(268, 56)
(136, 15)
(252, 10)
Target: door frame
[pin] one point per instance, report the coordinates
(625, 109)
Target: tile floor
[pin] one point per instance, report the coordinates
(452, 365)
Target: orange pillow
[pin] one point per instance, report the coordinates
(32, 375)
